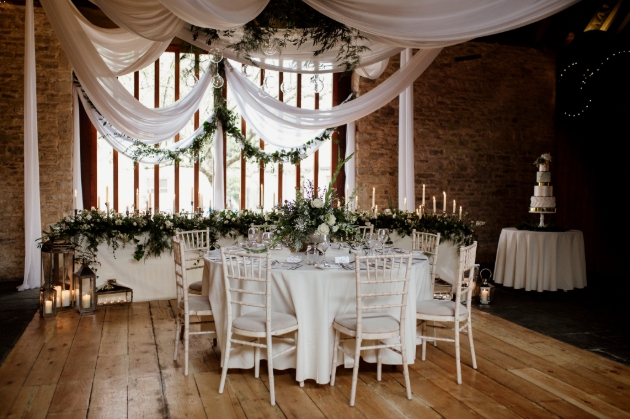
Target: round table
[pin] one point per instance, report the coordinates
(315, 297)
(541, 261)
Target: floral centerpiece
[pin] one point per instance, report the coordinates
(312, 213)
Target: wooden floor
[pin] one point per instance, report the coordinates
(118, 363)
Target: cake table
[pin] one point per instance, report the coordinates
(541, 261)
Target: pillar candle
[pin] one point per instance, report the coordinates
(87, 301)
(405, 204)
(58, 294)
(48, 307)
(434, 205)
(454, 206)
(484, 295)
(373, 197)
(444, 204)
(423, 195)
(74, 200)
(460, 212)
(65, 298)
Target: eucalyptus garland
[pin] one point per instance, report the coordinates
(293, 22)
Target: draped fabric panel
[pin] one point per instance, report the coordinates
(32, 212)
(148, 18)
(216, 14)
(123, 52)
(76, 151)
(110, 97)
(256, 102)
(436, 23)
(373, 71)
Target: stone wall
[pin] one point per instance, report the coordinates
(54, 102)
(478, 126)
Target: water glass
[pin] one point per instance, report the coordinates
(371, 240)
(252, 235)
(323, 245)
(267, 237)
(383, 233)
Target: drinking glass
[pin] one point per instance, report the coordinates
(252, 235)
(323, 245)
(371, 239)
(382, 237)
(266, 238)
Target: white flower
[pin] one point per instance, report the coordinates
(135, 224)
(225, 222)
(335, 228)
(330, 219)
(317, 203)
(394, 216)
(88, 217)
(93, 208)
(546, 156)
(323, 229)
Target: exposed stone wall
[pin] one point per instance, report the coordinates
(54, 102)
(478, 126)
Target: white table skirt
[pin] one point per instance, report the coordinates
(541, 261)
(315, 297)
(154, 278)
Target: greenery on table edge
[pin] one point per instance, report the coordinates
(552, 228)
(285, 22)
(229, 120)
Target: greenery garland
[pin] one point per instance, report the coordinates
(298, 23)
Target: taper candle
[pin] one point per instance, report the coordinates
(423, 195)
(454, 206)
(192, 194)
(136, 204)
(98, 202)
(107, 195)
(460, 212)
(434, 211)
(273, 199)
(262, 195)
(74, 200)
(444, 204)
(373, 197)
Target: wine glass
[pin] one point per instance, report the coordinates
(382, 237)
(266, 238)
(371, 239)
(323, 245)
(252, 235)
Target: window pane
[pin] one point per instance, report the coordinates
(146, 186)
(147, 86)
(186, 185)
(126, 194)
(290, 88)
(271, 181)
(252, 185)
(167, 79)
(105, 173)
(233, 178)
(288, 182)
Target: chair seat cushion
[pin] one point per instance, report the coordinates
(195, 286)
(256, 321)
(196, 303)
(440, 308)
(372, 322)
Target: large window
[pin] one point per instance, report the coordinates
(189, 184)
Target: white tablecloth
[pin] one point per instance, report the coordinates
(541, 261)
(315, 297)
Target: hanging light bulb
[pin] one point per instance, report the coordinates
(269, 47)
(318, 84)
(285, 87)
(270, 83)
(217, 81)
(215, 55)
(191, 80)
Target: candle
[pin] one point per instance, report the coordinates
(74, 200)
(210, 203)
(87, 301)
(273, 200)
(484, 295)
(375, 210)
(444, 204)
(423, 194)
(373, 197)
(454, 206)
(192, 194)
(262, 195)
(405, 204)
(58, 294)
(107, 195)
(136, 203)
(434, 205)
(147, 205)
(174, 206)
(98, 202)
(48, 307)
(149, 200)
(356, 202)
(127, 208)
(460, 212)
(65, 298)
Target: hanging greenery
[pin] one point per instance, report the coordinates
(285, 22)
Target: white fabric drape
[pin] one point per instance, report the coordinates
(373, 71)
(124, 144)
(256, 102)
(76, 151)
(110, 97)
(32, 212)
(350, 167)
(406, 182)
(123, 52)
(217, 175)
(216, 14)
(147, 18)
(436, 23)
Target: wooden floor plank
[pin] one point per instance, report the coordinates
(115, 331)
(144, 397)
(32, 402)
(182, 396)
(253, 396)
(215, 404)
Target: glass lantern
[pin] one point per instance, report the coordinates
(47, 300)
(114, 293)
(442, 290)
(486, 289)
(57, 268)
(85, 289)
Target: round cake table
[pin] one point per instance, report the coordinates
(316, 297)
(541, 261)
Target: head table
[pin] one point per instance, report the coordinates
(315, 296)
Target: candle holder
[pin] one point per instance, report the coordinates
(486, 289)
(85, 289)
(113, 294)
(57, 268)
(47, 299)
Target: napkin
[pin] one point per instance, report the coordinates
(294, 259)
(342, 259)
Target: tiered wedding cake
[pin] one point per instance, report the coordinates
(543, 200)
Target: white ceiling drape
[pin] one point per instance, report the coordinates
(216, 14)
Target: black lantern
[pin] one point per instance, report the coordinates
(57, 268)
(114, 293)
(47, 300)
(85, 289)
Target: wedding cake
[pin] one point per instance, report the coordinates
(543, 200)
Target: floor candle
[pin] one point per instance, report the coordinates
(48, 307)
(86, 301)
(65, 298)
(58, 297)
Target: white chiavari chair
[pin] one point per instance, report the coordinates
(195, 244)
(363, 230)
(187, 305)
(429, 244)
(241, 272)
(452, 311)
(382, 284)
